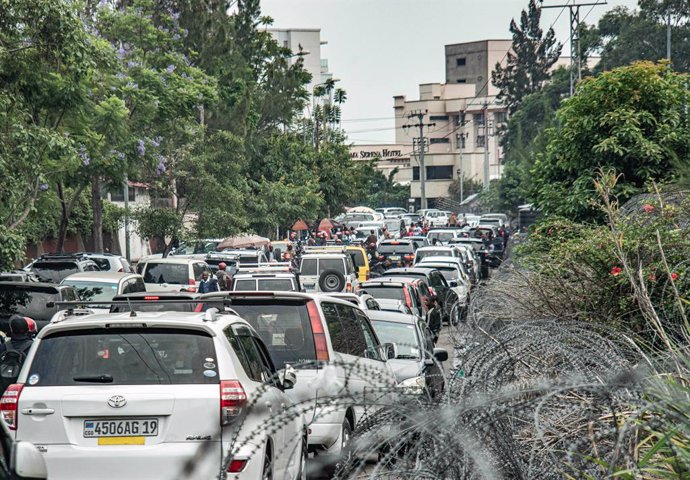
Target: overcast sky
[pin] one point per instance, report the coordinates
(382, 48)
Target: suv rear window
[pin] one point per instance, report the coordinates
(402, 247)
(284, 328)
(30, 302)
(54, 272)
(176, 274)
(433, 253)
(442, 237)
(131, 356)
(332, 264)
(391, 293)
(308, 266)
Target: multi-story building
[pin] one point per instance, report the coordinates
(473, 62)
(305, 43)
(462, 134)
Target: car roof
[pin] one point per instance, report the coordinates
(393, 241)
(276, 295)
(30, 285)
(395, 317)
(434, 247)
(382, 281)
(101, 276)
(175, 260)
(324, 254)
(150, 319)
(244, 276)
(415, 269)
(161, 295)
(427, 260)
(437, 265)
(239, 251)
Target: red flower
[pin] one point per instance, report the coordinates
(674, 276)
(652, 277)
(648, 208)
(615, 271)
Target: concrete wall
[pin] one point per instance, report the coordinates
(480, 59)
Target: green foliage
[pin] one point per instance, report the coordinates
(528, 64)
(627, 36)
(11, 248)
(632, 120)
(371, 187)
(164, 225)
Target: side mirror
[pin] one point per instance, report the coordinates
(50, 305)
(27, 461)
(390, 350)
(440, 354)
(288, 377)
(453, 283)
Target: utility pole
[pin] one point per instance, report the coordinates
(421, 143)
(668, 34)
(128, 253)
(575, 48)
(460, 138)
(485, 112)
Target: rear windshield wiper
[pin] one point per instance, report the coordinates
(105, 378)
(406, 357)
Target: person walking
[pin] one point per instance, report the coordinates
(224, 278)
(13, 352)
(208, 284)
(433, 317)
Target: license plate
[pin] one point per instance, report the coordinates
(394, 257)
(143, 427)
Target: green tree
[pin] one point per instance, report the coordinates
(628, 36)
(530, 60)
(632, 120)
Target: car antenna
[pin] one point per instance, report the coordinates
(132, 313)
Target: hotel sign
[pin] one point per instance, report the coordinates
(359, 152)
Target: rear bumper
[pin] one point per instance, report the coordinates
(163, 461)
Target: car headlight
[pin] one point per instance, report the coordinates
(412, 386)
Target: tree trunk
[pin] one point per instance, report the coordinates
(64, 219)
(97, 206)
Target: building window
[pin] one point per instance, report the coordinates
(501, 117)
(481, 141)
(438, 118)
(478, 119)
(440, 140)
(462, 140)
(119, 195)
(461, 80)
(460, 61)
(462, 118)
(444, 172)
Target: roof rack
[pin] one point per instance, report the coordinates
(51, 256)
(266, 268)
(326, 249)
(79, 308)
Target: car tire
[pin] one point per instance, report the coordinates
(331, 281)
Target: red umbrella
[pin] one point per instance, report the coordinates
(325, 225)
(299, 226)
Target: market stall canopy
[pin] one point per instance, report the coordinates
(299, 226)
(325, 224)
(243, 241)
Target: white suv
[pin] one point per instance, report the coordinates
(173, 274)
(158, 395)
(328, 272)
(342, 374)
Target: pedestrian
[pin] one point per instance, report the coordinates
(223, 277)
(453, 220)
(13, 352)
(311, 241)
(433, 317)
(208, 284)
(371, 239)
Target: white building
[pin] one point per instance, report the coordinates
(308, 42)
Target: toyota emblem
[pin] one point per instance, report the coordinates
(117, 401)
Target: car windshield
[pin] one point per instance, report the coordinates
(126, 356)
(433, 253)
(172, 273)
(402, 247)
(402, 335)
(29, 302)
(284, 327)
(54, 272)
(358, 217)
(442, 237)
(196, 248)
(93, 291)
(388, 292)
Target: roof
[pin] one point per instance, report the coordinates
(382, 281)
(415, 269)
(263, 295)
(101, 276)
(161, 295)
(263, 275)
(427, 260)
(388, 316)
(430, 248)
(176, 260)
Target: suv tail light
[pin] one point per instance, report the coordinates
(9, 404)
(320, 344)
(408, 298)
(236, 466)
(232, 399)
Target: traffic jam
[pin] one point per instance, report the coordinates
(239, 358)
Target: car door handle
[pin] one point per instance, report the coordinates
(38, 411)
